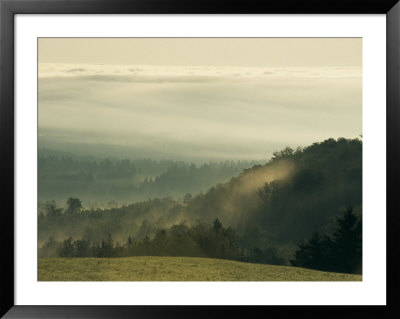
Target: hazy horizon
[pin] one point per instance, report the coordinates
(107, 96)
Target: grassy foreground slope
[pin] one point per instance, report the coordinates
(175, 269)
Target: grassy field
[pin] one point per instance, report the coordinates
(174, 269)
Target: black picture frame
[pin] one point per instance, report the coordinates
(8, 8)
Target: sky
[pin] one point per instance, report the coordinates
(197, 99)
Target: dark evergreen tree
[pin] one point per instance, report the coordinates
(107, 247)
(313, 253)
(67, 249)
(74, 205)
(82, 248)
(342, 252)
(347, 249)
(52, 209)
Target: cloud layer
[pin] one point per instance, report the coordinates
(197, 112)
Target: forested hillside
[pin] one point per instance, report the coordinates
(110, 182)
(267, 209)
(297, 192)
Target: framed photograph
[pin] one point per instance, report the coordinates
(177, 159)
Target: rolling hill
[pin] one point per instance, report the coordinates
(175, 269)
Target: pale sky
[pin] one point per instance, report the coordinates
(199, 98)
(275, 52)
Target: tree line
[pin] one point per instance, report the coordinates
(199, 240)
(340, 251)
(106, 180)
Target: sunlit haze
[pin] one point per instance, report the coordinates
(197, 99)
